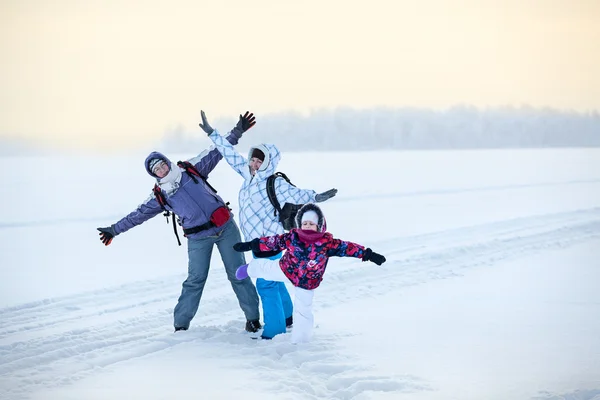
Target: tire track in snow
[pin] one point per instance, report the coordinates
(418, 259)
(62, 358)
(47, 313)
(65, 355)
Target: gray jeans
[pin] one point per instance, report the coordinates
(199, 253)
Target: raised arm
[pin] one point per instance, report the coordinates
(206, 161)
(238, 162)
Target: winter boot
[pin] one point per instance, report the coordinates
(289, 321)
(253, 326)
(180, 328)
(242, 272)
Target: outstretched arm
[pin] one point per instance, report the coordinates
(341, 248)
(206, 161)
(225, 147)
(272, 243)
(150, 208)
(238, 162)
(287, 193)
(275, 243)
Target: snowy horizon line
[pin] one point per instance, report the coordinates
(347, 128)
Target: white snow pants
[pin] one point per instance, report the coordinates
(303, 299)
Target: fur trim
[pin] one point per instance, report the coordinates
(263, 150)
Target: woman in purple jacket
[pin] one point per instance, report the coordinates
(206, 221)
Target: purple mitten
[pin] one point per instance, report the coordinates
(242, 272)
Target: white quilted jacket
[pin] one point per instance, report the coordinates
(256, 214)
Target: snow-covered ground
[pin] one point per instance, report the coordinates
(491, 289)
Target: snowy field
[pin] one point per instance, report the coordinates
(491, 289)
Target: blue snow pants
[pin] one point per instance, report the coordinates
(276, 304)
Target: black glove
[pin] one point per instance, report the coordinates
(370, 255)
(242, 246)
(246, 122)
(325, 195)
(205, 125)
(107, 234)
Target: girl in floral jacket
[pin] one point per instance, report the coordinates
(304, 262)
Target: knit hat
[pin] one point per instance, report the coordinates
(311, 216)
(154, 163)
(258, 154)
(311, 212)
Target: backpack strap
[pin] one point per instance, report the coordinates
(193, 173)
(162, 201)
(271, 190)
(160, 197)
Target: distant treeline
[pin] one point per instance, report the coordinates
(413, 128)
(342, 129)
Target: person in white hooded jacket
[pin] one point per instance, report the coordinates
(258, 218)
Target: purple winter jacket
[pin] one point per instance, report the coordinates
(192, 202)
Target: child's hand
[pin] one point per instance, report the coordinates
(376, 258)
(242, 246)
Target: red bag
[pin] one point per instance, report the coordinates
(220, 216)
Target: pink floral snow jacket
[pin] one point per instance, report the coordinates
(307, 254)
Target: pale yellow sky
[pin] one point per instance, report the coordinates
(108, 74)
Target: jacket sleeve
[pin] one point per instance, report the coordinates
(148, 209)
(206, 161)
(287, 193)
(238, 162)
(342, 248)
(270, 243)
